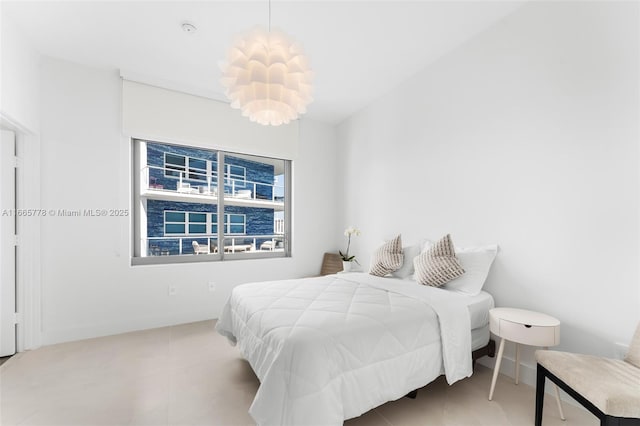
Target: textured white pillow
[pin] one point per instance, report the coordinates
(438, 264)
(406, 270)
(477, 262)
(387, 258)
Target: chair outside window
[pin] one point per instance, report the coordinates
(199, 249)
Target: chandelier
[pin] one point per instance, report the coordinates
(267, 76)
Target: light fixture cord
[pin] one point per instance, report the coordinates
(269, 15)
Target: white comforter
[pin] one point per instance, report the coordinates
(331, 348)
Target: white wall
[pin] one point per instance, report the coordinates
(230, 131)
(18, 77)
(526, 136)
(89, 287)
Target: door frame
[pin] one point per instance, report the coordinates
(8, 248)
(28, 279)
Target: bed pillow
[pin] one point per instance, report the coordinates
(476, 262)
(438, 264)
(406, 270)
(387, 258)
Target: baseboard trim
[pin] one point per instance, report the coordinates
(52, 337)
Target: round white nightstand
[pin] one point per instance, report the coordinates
(522, 327)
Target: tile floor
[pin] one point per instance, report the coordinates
(189, 375)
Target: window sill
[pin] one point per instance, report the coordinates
(199, 258)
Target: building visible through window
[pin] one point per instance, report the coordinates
(183, 208)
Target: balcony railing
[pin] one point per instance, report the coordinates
(278, 226)
(196, 182)
(183, 245)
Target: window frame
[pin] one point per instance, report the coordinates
(173, 222)
(229, 224)
(219, 167)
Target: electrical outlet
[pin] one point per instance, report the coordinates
(620, 350)
(212, 286)
(172, 290)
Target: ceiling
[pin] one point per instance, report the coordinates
(358, 50)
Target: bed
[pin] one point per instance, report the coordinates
(331, 348)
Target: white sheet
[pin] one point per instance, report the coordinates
(331, 348)
(480, 337)
(479, 306)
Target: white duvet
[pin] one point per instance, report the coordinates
(331, 348)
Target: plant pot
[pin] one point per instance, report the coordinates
(346, 266)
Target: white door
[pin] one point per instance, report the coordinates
(7, 243)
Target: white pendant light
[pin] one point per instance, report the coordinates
(267, 76)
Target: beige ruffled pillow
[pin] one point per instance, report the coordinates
(438, 265)
(387, 258)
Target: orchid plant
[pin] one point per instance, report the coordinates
(348, 233)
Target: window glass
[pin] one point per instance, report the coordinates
(174, 217)
(198, 217)
(197, 228)
(174, 228)
(197, 169)
(236, 229)
(177, 204)
(174, 164)
(196, 163)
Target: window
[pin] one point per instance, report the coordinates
(174, 222)
(197, 169)
(233, 224)
(184, 223)
(177, 166)
(235, 175)
(178, 201)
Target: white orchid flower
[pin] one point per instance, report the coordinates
(351, 230)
